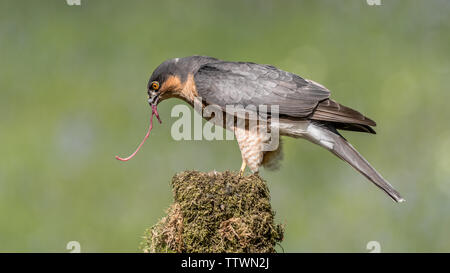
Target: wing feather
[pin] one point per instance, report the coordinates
(238, 83)
(329, 110)
(242, 83)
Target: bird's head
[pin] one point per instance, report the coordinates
(174, 78)
(165, 81)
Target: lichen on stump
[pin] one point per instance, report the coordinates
(216, 212)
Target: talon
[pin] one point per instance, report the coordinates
(242, 170)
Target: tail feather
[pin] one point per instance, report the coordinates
(335, 143)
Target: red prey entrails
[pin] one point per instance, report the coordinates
(154, 112)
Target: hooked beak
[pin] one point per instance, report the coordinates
(153, 98)
(153, 102)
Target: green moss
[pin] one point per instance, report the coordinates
(216, 212)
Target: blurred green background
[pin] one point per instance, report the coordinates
(73, 94)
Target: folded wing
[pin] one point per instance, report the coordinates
(239, 83)
(242, 83)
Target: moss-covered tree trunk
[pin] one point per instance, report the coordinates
(216, 212)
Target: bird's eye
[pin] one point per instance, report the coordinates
(155, 85)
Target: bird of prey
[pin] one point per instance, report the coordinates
(304, 107)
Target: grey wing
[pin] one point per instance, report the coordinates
(241, 83)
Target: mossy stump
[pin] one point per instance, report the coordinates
(216, 212)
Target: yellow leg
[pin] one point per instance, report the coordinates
(241, 172)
